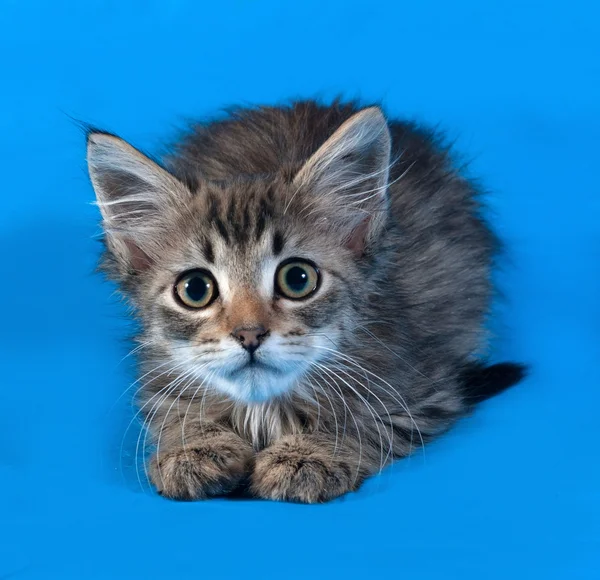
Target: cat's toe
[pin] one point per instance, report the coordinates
(210, 468)
(301, 473)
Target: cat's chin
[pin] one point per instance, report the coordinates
(256, 383)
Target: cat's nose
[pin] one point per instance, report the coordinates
(250, 338)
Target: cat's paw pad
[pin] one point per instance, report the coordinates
(297, 472)
(212, 467)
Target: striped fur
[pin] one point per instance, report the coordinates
(365, 371)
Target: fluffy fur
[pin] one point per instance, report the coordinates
(378, 361)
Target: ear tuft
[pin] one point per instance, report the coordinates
(135, 196)
(348, 176)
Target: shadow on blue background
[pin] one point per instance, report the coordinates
(512, 492)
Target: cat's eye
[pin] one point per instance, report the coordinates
(196, 289)
(296, 279)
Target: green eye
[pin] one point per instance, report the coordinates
(296, 279)
(196, 289)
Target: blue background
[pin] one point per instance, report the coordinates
(512, 492)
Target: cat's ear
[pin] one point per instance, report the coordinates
(349, 176)
(135, 195)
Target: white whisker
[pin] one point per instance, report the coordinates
(356, 424)
(400, 399)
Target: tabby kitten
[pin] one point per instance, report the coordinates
(312, 283)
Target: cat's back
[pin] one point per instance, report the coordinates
(263, 140)
(258, 141)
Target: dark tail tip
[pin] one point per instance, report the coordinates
(482, 382)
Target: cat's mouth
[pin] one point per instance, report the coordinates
(253, 364)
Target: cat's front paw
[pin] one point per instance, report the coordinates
(210, 467)
(299, 468)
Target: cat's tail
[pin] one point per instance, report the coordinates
(481, 382)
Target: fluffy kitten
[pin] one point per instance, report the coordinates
(312, 283)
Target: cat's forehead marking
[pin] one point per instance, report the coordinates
(243, 214)
(278, 242)
(209, 252)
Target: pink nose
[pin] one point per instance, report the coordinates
(250, 338)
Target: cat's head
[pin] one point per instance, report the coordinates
(244, 286)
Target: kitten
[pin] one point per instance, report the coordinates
(312, 283)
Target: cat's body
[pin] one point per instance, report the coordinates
(302, 389)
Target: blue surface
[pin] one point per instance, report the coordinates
(513, 492)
